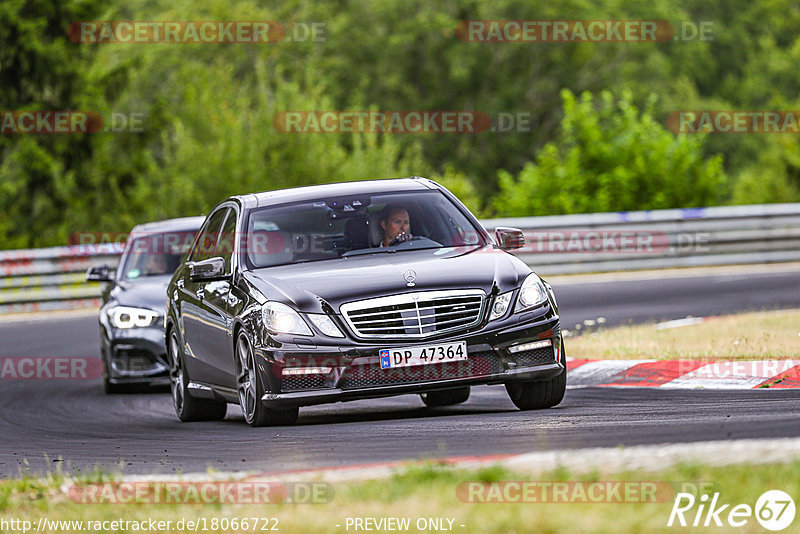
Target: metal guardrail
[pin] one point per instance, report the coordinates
(728, 235)
(53, 278)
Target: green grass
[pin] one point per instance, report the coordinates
(428, 490)
(747, 336)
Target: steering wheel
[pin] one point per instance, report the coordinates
(403, 238)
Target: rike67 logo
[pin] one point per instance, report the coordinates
(774, 510)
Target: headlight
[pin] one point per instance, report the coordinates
(280, 318)
(125, 317)
(500, 306)
(532, 293)
(325, 325)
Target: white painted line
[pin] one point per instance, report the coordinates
(678, 323)
(604, 459)
(652, 457)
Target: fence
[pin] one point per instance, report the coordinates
(53, 278)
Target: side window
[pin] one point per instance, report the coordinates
(207, 241)
(227, 240)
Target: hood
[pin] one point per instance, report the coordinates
(149, 292)
(374, 275)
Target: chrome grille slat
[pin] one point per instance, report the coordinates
(359, 316)
(415, 315)
(469, 312)
(355, 316)
(438, 323)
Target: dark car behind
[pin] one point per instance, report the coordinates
(132, 316)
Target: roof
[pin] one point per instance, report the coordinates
(312, 192)
(183, 224)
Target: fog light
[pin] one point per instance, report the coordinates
(531, 346)
(291, 371)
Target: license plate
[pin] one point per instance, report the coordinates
(411, 356)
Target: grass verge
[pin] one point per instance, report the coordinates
(431, 491)
(749, 336)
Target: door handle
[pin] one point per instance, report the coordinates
(201, 293)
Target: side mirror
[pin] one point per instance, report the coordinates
(509, 238)
(207, 270)
(99, 273)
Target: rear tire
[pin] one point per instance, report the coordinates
(538, 395)
(446, 397)
(251, 389)
(188, 408)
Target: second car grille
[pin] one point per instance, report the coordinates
(415, 315)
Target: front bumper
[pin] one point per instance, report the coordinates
(137, 355)
(355, 372)
(311, 397)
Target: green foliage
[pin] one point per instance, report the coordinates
(611, 157)
(207, 109)
(460, 185)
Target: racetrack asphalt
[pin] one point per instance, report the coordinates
(47, 423)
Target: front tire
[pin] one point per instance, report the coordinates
(188, 408)
(251, 389)
(446, 397)
(538, 395)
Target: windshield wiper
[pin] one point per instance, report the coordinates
(390, 250)
(362, 252)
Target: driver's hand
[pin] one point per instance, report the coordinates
(400, 238)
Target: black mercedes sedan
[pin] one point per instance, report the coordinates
(131, 320)
(354, 291)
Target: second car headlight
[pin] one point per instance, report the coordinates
(126, 317)
(281, 319)
(531, 293)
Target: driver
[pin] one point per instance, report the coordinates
(396, 225)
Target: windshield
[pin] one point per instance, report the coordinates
(155, 254)
(331, 228)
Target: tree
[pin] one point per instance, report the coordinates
(611, 157)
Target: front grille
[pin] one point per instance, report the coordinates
(528, 358)
(372, 375)
(415, 315)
